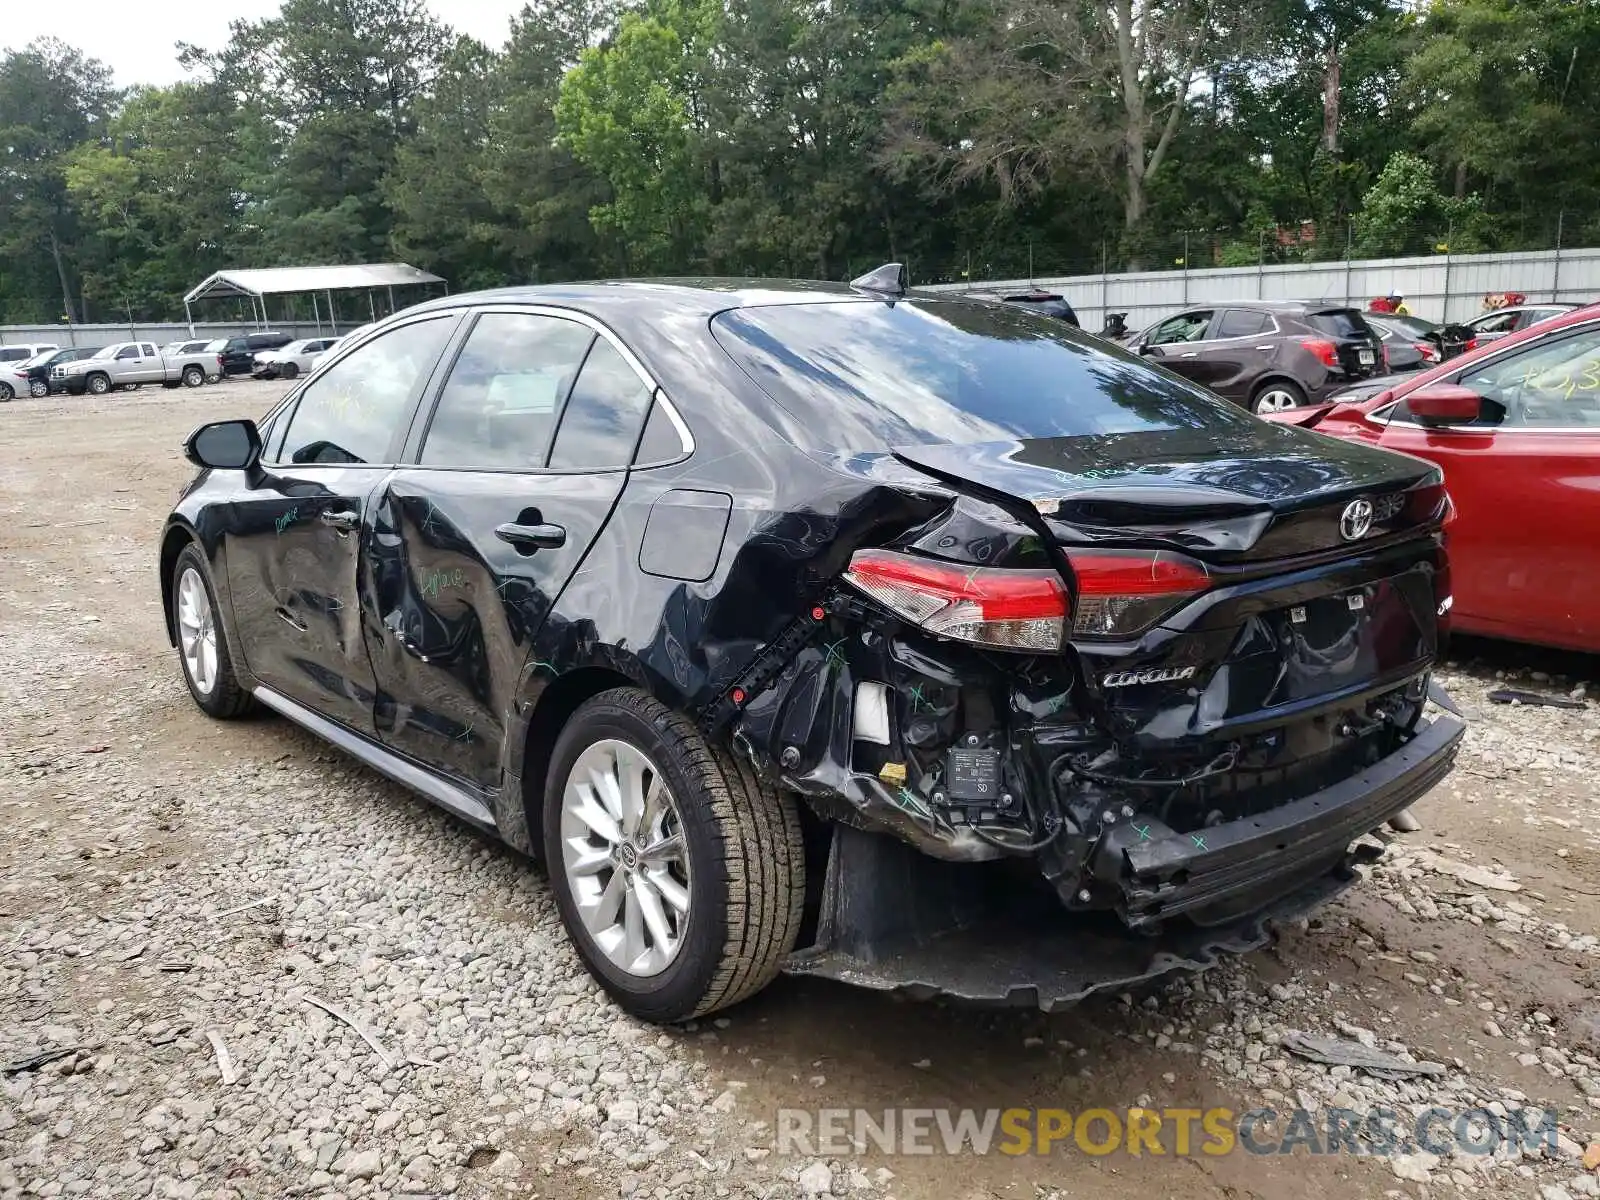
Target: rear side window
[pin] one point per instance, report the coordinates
(866, 376)
(1241, 322)
(1340, 323)
(499, 407)
(350, 414)
(13, 355)
(600, 425)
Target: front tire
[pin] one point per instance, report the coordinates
(1277, 395)
(5, 392)
(679, 872)
(98, 385)
(203, 651)
(38, 389)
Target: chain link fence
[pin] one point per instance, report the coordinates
(1444, 273)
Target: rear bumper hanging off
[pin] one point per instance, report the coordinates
(1226, 870)
(893, 919)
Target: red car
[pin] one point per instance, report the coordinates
(1516, 426)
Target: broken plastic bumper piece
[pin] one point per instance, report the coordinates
(1215, 874)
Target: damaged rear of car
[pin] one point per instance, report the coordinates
(922, 643)
(1128, 686)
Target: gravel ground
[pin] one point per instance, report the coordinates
(275, 974)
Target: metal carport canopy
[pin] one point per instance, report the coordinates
(270, 281)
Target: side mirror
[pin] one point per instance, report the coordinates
(1143, 348)
(225, 446)
(1444, 404)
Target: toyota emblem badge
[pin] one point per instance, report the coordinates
(1356, 520)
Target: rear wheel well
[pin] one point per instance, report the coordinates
(554, 709)
(172, 545)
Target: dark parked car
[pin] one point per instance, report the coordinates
(895, 638)
(33, 375)
(239, 353)
(1048, 304)
(1413, 343)
(1266, 356)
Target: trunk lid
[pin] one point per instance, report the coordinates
(1314, 623)
(1245, 492)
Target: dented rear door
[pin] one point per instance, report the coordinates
(467, 550)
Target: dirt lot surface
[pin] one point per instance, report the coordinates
(400, 1014)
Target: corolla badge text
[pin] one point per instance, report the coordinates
(1150, 675)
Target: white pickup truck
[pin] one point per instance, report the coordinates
(128, 364)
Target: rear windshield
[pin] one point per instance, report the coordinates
(1340, 322)
(863, 377)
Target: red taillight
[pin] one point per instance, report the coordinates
(1429, 352)
(1472, 344)
(1020, 610)
(1327, 353)
(1124, 592)
(1120, 593)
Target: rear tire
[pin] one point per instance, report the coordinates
(204, 655)
(1277, 395)
(5, 392)
(193, 376)
(742, 879)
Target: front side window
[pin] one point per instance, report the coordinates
(1186, 327)
(1555, 384)
(351, 413)
(127, 352)
(500, 405)
(600, 425)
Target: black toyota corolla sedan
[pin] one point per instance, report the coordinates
(922, 643)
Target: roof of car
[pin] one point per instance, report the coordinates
(1280, 306)
(710, 295)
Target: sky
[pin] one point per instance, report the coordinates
(137, 41)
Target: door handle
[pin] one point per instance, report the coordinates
(1190, 354)
(528, 538)
(342, 519)
(1263, 347)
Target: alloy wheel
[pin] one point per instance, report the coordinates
(38, 388)
(1276, 400)
(625, 859)
(197, 632)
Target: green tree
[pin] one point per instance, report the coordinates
(168, 194)
(340, 81)
(1508, 93)
(52, 100)
(635, 111)
(1406, 213)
